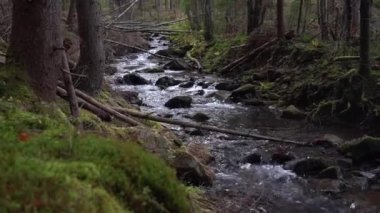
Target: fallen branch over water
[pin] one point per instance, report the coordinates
(148, 116)
(123, 115)
(199, 66)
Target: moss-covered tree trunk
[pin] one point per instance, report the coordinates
(92, 59)
(365, 14)
(36, 43)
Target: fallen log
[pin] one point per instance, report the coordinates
(148, 116)
(139, 49)
(72, 98)
(352, 58)
(122, 13)
(242, 59)
(109, 110)
(104, 116)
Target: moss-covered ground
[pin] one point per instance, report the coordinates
(46, 165)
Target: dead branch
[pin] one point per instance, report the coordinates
(122, 13)
(251, 54)
(148, 116)
(104, 116)
(72, 98)
(109, 110)
(352, 58)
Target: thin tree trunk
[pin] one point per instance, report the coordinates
(72, 21)
(347, 19)
(299, 16)
(72, 98)
(208, 21)
(365, 65)
(280, 19)
(92, 59)
(323, 19)
(35, 39)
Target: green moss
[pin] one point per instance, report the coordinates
(47, 166)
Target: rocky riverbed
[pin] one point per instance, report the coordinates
(253, 175)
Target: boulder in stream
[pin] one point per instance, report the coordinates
(227, 86)
(244, 92)
(179, 102)
(176, 65)
(307, 167)
(362, 149)
(200, 117)
(282, 157)
(165, 82)
(187, 84)
(153, 70)
(134, 79)
(131, 96)
(253, 158)
(328, 140)
(292, 112)
(220, 95)
(332, 172)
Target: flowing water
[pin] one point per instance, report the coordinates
(244, 187)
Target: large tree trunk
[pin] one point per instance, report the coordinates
(365, 14)
(208, 21)
(72, 22)
(36, 43)
(254, 14)
(299, 16)
(280, 19)
(91, 62)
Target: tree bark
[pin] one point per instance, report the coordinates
(365, 65)
(92, 59)
(208, 21)
(280, 19)
(323, 19)
(299, 16)
(72, 21)
(347, 19)
(35, 43)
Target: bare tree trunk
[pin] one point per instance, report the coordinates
(35, 41)
(208, 21)
(365, 65)
(254, 11)
(72, 21)
(323, 19)
(280, 19)
(299, 16)
(92, 59)
(347, 19)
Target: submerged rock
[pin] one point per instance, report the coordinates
(200, 117)
(227, 86)
(361, 149)
(187, 84)
(179, 102)
(282, 158)
(244, 92)
(254, 158)
(191, 170)
(220, 95)
(134, 79)
(292, 112)
(176, 65)
(119, 80)
(153, 70)
(332, 172)
(165, 82)
(307, 167)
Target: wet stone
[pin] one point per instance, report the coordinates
(332, 172)
(179, 102)
(200, 117)
(307, 167)
(165, 82)
(292, 112)
(187, 84)
(200, 92)
(134, 79)
(254, 158)
(281, 158)
(227, 86)
(328, 140)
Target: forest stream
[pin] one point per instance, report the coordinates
(241, 186)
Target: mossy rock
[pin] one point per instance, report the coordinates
(292, 112)
(361, 149)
